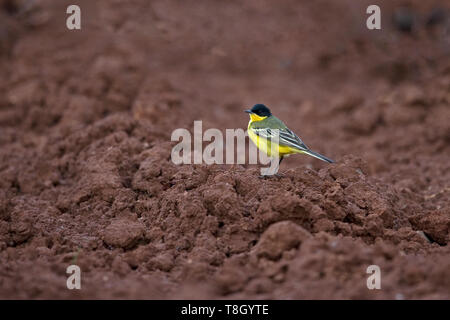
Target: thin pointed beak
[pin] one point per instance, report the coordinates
(248, 111)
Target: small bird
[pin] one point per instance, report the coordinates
(262, 129)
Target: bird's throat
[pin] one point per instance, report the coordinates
(254, 117)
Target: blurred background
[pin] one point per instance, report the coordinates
(341, 87)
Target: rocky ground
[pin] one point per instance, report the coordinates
(86, 176)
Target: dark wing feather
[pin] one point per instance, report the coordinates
(286, 137)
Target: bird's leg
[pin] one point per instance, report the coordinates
(268, 176)
(277, 175)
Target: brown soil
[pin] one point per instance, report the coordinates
(85, 171)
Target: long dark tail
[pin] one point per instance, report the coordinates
(318, 156)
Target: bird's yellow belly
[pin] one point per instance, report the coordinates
(265, 145)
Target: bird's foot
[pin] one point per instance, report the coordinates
(270, 176)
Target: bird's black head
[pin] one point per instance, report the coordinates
(260, 110)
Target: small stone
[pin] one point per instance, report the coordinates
(123, 233)
(280, 237)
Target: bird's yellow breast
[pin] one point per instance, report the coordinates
(265, 145)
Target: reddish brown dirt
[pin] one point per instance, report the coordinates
(85, 171)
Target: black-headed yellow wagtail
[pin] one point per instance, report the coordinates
(262, 129)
